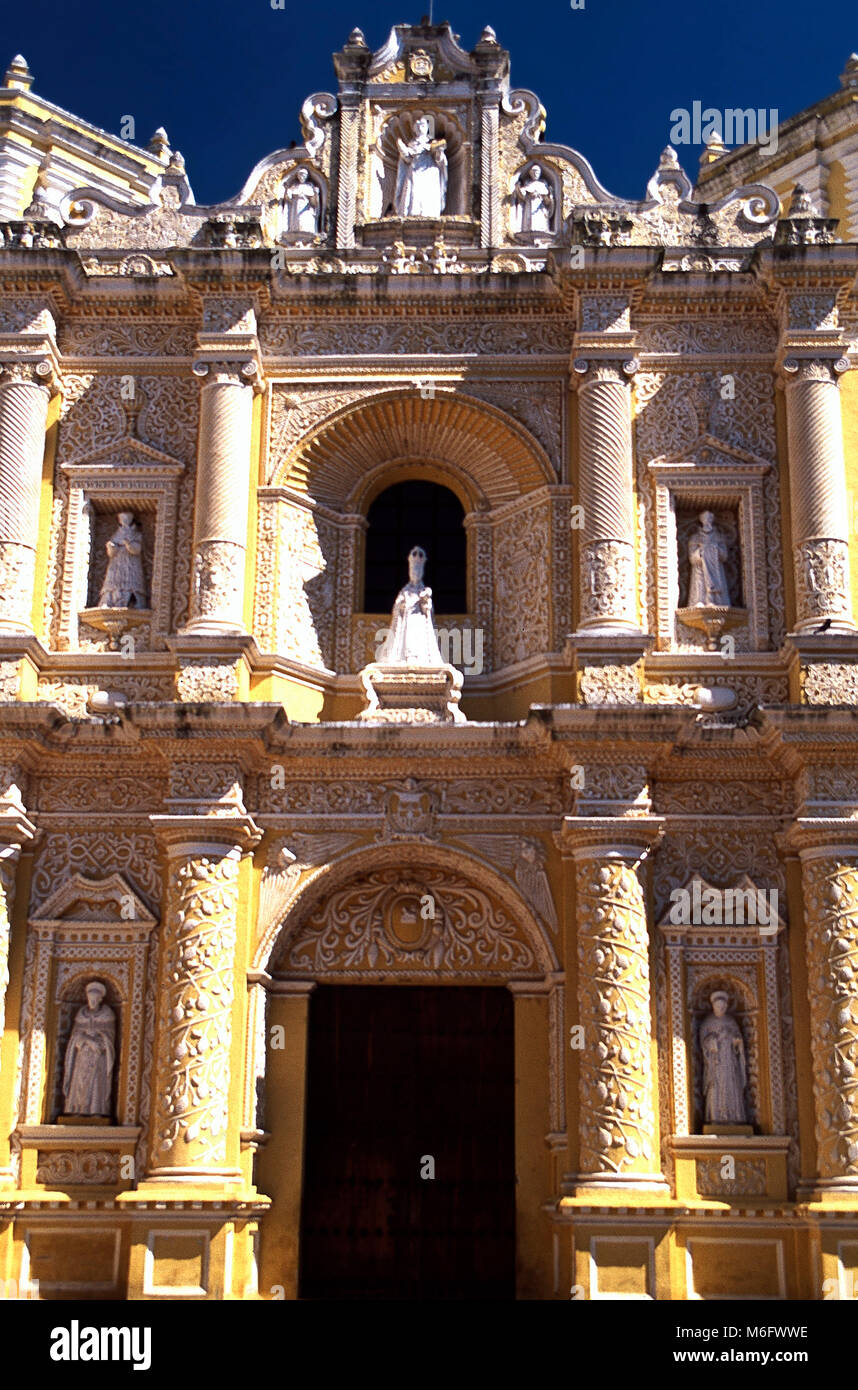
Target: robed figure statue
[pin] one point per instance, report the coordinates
(724, 1069)
(421, 176)
(411, 639)
(707, 551)
(124, 585)
(90, 1056)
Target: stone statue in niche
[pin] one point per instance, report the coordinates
(90, 1056)
(421, 175)
(124, 584)
(301, 204)
(411, 640)
(707, 552)
(724, 1067)
(533, 202)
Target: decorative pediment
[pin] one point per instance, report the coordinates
(126, 452)
(742, 913)
(83, 900)
(710, 452)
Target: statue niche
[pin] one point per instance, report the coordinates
(86, 1054)
(709, 573)
(120, 546)
(722, 1065)
(302, 208)
(534, 203)
(418, 168)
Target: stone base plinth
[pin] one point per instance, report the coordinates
(412, 694)
(732, 1165)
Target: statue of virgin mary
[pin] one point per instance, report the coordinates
(411, 640)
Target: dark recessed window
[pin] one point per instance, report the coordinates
(409, 514)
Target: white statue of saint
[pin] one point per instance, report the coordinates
(301, 203)
(421, 176)
(707, 551)
(724, 1071)
(533, 202)
(124, 585)
(411, 640)
(90, 1056)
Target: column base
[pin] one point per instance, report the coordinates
(601, 1184)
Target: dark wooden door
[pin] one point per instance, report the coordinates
(397, 1076)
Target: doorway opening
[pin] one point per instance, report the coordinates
(409, 1170)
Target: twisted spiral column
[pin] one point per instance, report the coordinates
(606, 493)
(616, 1101)
(820, 519)
(223, 486)
(25, 390)
(830, 890)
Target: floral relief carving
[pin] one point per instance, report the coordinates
(375, 925)
(831, 683)
(610, 685)
(831, 898)
(199, 680)
(749, 1179)
(822, 579)
(615, 1094)
(61, 1167)
(193, 1067)
(522, 567)
(343, 337)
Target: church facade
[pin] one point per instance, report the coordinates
(360, 941)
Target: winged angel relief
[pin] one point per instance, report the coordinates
(525, 860)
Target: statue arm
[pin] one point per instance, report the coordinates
(404, 151)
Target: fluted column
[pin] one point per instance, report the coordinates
(829, 862)
(820, 517)
(223, 489)
(606, 493)
(25, 390)
(193, 1136)
(617, 1125)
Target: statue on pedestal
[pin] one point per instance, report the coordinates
(411, 640)
(90, 1056)
(421, 176)
(124, 585)
(724, 1068)
(707, 552)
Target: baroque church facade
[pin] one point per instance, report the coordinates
(523, 965)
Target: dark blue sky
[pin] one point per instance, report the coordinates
(227, 77)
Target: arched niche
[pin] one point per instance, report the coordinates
(385, 160)
(409, 512)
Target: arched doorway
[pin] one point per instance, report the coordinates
(413, 1043)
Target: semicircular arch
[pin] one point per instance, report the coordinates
(365, 915)
(473, 438)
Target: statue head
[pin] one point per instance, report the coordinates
(719, 1001)
(301, 176)
(95, 992)
(422, 126)
(416, 564)
(535, 172)
(126, 519)
(707, 520)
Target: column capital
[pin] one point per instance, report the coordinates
(194, 835)
(820, 837)
(618, 370)
(36, 366)
(813, 365)
(629, 838)
(218, 367)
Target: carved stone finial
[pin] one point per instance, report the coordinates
(801, 203)
(849, 75)
(18, 74)
(488, 35)
(159, 145)
(712, 150)
(668, 159)
(356, 39)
